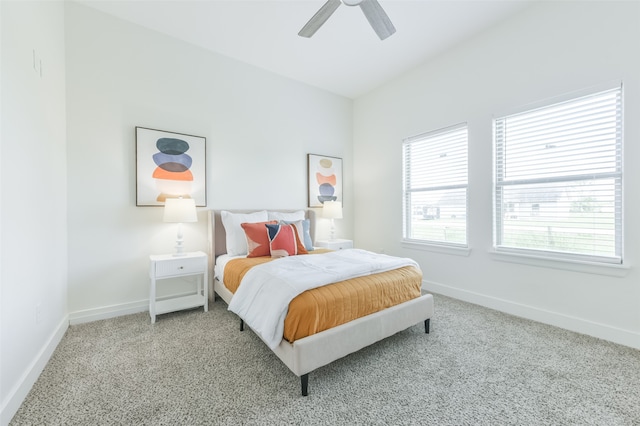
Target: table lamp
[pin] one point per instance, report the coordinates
(332, 210)
(180, 210)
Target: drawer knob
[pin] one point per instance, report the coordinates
(182, 267)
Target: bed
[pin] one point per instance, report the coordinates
(305, 355)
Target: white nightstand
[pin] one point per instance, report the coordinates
(169, 266)
(337, 244)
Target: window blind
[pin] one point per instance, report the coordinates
(435, 186)
(558, 179)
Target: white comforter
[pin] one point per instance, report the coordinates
(262, 300)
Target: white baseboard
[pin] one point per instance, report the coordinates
(578, 325)
(18, 394)
(113, 311)
(105, 312)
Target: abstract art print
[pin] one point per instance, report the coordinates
(325, 179)
(169, 165)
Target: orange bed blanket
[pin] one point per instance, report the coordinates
(334, 304)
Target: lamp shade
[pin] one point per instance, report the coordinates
(180, 210)
(332, 210)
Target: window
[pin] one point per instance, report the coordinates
(558, 179)
(435, 187)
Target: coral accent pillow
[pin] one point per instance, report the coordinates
(257, 238)
(284, 241)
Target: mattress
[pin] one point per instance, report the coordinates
(334, 304)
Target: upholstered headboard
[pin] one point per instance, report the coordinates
(218, 237)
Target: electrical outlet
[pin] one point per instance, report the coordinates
(38, 313)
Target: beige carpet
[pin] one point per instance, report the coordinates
(477, 367)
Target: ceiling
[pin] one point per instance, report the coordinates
(344, 57)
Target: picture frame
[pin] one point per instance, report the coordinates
(170, 165)
(324, 178)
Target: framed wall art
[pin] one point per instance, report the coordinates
(169, 165)
(324, 179)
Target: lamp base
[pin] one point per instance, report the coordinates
(332, 235)
(179, 247)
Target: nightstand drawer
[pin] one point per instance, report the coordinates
(173, 267)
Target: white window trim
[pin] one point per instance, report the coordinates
(608, 269)
(435, 246)
(454, 249)
(524, 256)
(559, 99)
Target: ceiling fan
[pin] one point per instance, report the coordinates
(372, 10)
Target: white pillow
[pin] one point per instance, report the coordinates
(286, 216)
(236, 239)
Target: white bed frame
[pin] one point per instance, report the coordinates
(307, 354)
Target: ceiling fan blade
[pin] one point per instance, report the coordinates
(378, 19)
(319, 18)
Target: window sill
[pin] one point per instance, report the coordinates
(613, 270)
(437, 248)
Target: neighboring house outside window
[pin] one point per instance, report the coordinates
(558, 179)
(435, 187)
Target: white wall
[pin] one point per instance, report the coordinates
(259, 128)
(33, 195)
(550, 49)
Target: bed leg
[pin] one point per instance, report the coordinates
(304, 381)
(241, 324)
(426, 325)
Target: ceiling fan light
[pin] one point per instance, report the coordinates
(352, 2)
